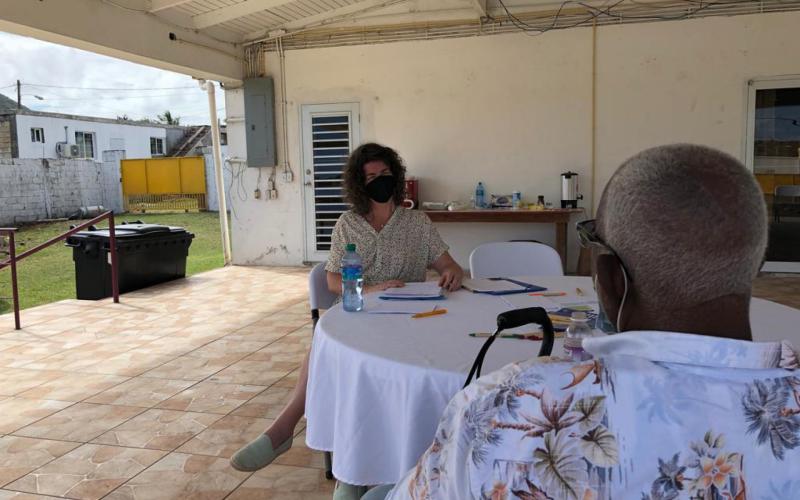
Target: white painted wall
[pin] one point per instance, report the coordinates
(263, 231)
(515, 111)
(685, 81)
(136, 137)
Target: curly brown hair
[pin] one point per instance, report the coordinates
(354, 180)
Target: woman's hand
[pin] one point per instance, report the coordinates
(451, 278)
(379, 287)
(450, 272)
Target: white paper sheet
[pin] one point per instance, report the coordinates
(523, 300)
(400, 307)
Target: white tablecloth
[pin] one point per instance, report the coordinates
(379, 383)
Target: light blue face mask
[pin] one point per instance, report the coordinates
(602, 322)
(588, 237)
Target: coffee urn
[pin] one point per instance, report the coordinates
(569, 190)
(412, 193)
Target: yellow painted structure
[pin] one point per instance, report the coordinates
(164, 184)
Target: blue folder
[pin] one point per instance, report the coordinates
(526, 287)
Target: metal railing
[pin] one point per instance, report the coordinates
(167, 202)
(14, 258)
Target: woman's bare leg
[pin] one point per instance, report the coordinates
(261, 451)
(283, 427)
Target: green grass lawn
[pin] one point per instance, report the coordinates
(49, 275)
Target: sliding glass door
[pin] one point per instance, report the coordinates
(773, 152)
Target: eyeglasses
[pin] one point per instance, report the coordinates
(588, 238)
(587, 234)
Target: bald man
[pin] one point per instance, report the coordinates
(681, 403)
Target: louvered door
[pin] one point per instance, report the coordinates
(330, 132)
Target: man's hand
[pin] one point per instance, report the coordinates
(379, 287)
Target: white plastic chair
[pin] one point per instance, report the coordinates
(318, 294)
(320, 298)
(514, 258)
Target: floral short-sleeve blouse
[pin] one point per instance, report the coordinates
(403, 250)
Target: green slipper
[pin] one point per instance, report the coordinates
(346, 491)
(258, 454)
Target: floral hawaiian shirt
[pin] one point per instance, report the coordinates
(655, 416)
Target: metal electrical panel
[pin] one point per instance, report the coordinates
(259, 119)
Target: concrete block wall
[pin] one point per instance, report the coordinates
(34, 189)
(6, 141)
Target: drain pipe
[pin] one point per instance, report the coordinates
(223, 206)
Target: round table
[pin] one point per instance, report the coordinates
(378, 383)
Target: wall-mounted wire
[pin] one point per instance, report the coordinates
(237, 179)
(593, 12)
(288, 175)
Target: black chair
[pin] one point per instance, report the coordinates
(786, 202)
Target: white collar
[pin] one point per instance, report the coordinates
(691, 349)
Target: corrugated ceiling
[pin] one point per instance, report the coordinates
(538, 15)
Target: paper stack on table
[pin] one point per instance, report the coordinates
(428, 290)
(482, 285)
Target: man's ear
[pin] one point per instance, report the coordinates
(610, 285)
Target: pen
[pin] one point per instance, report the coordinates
(547, 294)
(434, 312)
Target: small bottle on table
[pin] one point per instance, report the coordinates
(577, 330)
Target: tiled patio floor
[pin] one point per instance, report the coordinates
(147, 399)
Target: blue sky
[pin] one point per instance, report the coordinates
(66, 79)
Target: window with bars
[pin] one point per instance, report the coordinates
(85, 142)
(330, 133)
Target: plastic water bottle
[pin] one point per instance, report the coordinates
(352, 280)
(480, 196)
(577, 330)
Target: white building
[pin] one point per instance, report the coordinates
(33, 134)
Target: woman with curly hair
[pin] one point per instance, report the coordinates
(396, 246)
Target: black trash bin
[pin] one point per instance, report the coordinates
(147, 254)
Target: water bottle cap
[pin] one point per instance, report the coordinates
(579, 316)
(350, 247)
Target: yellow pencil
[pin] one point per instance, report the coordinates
(435, 312)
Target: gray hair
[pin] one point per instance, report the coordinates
(689, 223)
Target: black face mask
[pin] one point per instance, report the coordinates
(381, 188)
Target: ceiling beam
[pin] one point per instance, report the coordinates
(225, 14)
(159, 5)
(325, 18)
(138, 37)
